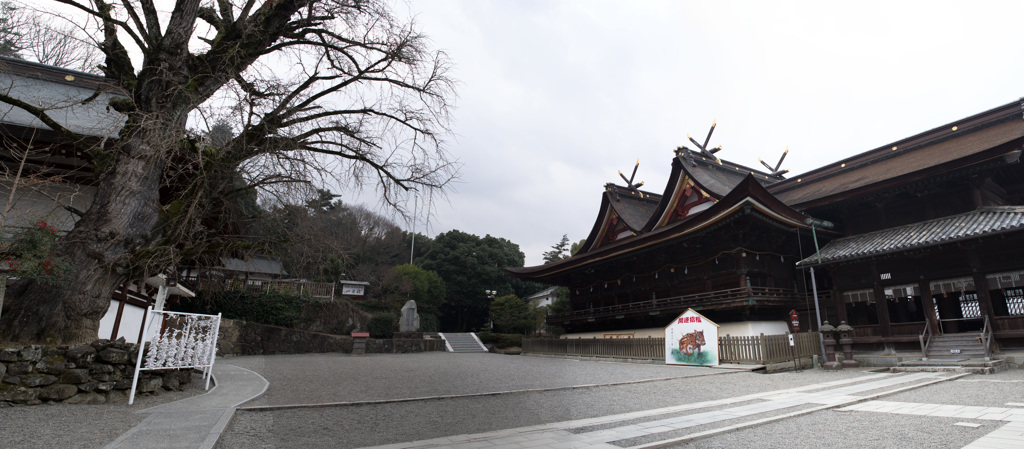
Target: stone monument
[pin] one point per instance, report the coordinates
(410, 321)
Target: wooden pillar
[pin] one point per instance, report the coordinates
(881, 303)
(925, 288)
(976, 198)
(837, 296)
(981, 288)
(741, 267)
(121, 299)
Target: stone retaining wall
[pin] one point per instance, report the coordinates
(95, 373)
(246, 338)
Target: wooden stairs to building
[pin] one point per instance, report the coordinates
(961, 353)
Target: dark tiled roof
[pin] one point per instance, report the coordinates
(983, 221)
(635, 208)
(719, 177)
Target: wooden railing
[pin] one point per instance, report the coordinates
(760, 349)
(705, 300)
(925, 337)
(317, 290)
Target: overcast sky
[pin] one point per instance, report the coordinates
(557, 96)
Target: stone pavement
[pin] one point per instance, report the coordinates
(1008, 436)
(196, 422)
(668, 426)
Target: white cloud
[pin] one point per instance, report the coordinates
(558, 96)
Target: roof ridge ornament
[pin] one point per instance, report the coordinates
(704, 148)
(775, 172)
(629, 182)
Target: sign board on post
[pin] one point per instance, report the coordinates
(691, 339)
(352, 290)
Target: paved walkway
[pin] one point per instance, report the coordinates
(662, 427)
(1008, 436)
(196, 422)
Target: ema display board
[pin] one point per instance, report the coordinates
(691, 339)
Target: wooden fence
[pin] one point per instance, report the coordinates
(764, 349)
(760, 350)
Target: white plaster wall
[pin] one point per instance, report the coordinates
(752, 328)
(658, 332)
(131, 323)
(738, 329)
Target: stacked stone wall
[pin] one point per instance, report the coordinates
(246, 338)
(93, 373)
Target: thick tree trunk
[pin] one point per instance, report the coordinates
(120, 221)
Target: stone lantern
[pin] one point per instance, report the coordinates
(828, 333)
(846, 339)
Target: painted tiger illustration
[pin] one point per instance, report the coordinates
(691, 342)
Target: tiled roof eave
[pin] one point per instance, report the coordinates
(984, 222)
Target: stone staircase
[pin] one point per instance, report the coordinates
(973, 366)
(956, 347)
(462, 342)
(961, 353)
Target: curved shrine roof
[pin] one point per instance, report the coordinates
(623, 214)
(749, 192)
(716, 176)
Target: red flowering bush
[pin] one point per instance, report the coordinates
(32, 254)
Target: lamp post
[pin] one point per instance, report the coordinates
(814, 283)
(490, 299)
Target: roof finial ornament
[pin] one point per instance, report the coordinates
(629, 182)
(710, 153)
(775, 172)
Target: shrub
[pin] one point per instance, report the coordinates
(32, 254)
(509, 341)
(429, 323)
(275, 309)
(500, 341)
(383, 325)
(487, 337)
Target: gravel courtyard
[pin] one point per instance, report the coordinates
(364, 401)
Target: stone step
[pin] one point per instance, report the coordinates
(944, 369)
(954, 343)
(963, 361)
(962, 365)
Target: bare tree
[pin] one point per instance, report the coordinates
(318, 90)
(37, 35)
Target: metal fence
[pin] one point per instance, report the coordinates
(761, 349)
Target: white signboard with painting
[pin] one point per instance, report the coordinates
(691, 339)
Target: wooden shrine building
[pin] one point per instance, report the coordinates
(928, 232)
